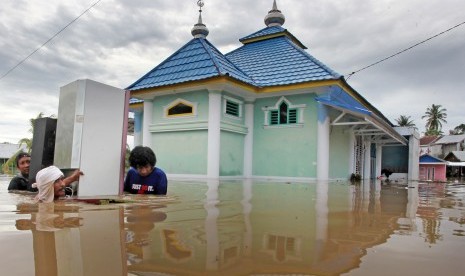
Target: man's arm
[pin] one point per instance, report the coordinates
(73, 177)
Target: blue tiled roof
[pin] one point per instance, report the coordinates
(279, 61)
(196, 60)
(264, 32)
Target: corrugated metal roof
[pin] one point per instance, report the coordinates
(426, 158)
(196, 60)
(451, 139)
(426, 140)
(278, 61)
(7, 150)
(340, 98)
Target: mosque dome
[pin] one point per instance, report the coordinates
(274, 17)
(200, 29)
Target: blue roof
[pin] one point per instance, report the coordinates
(266, 61)
(196, 60)
(279, 61)
(426, 158)
(339, 98)
(264, 32)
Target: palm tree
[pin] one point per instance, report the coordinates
(404, 121)
(460, 129)
(435, 116)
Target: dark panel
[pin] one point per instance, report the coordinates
(43, 146)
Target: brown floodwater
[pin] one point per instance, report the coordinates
(241, 228)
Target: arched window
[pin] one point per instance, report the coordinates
(284, 113)
(180, 108)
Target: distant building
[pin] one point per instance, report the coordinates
(7, 150)
(456, 163)
(267, 109)
(432, 168)
(427, 146)
(449, 143)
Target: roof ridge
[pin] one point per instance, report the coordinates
(214, 59)
(223, 70)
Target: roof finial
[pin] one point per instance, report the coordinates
(199, 29)
(274, 17)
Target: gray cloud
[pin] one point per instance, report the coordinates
(120, 40)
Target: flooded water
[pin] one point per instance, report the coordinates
(241, 228)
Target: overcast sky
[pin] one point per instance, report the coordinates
(118, 41)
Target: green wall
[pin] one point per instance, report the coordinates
(339, 152)
(180, 143)
(231, 154)
(285, 151)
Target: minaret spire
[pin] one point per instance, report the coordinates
(274, 17)
(200, 30)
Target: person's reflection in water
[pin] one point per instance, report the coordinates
(47, 217)
(141, 220)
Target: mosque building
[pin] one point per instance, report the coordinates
(266, 110)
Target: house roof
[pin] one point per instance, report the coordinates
(196, 60)
(279, 61)
(457, 156)
(8, 150)
(427, 140)
(451, 139)
(428, 159)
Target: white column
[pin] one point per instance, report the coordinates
(214, 118)
(379, 157)
(147, 121)
(367, 159)
(322, 172)
(351, 152)
(138, 120)
(248, 140)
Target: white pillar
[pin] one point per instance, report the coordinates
(147, 121)
(214, 118)
(248, 140)
(351, 152)
(367, 159)
(138, 120)
(379, 157)
(322, 172)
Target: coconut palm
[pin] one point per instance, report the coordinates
(404, 121)
(460, 129)
(435, 116)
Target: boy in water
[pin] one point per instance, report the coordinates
(143, 177)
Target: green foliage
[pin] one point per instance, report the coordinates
(404, 121)
(435, 116)
(460, 129)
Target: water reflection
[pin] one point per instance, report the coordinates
(240, 228)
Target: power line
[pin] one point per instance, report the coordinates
(400, 52)
(50, 39)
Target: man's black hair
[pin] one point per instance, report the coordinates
(142, 156)
(21, 155)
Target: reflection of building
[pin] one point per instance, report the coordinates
(280, 229)
(70, 241)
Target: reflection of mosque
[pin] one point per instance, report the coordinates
(317, 229)
(239, 229)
